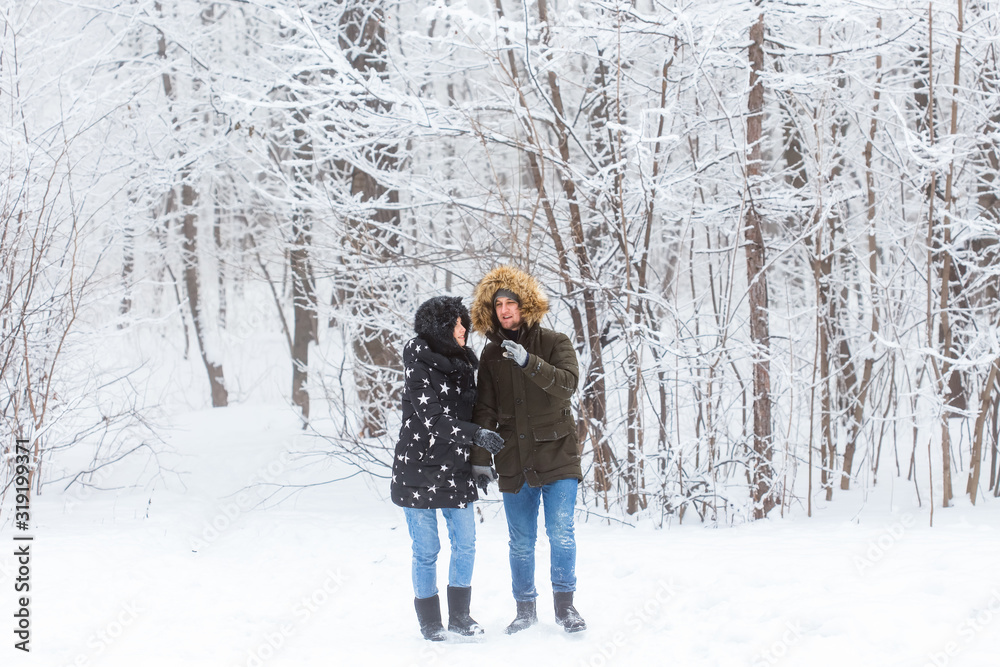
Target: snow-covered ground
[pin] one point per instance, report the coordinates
(190, 572)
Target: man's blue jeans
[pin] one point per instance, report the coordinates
(559, 502)
(423, 528)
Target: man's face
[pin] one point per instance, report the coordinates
(508, 312)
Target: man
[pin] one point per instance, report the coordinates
(527, 376)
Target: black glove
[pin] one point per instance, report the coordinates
(488, 440)
(483, 475)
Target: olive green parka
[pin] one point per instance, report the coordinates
(529, 407)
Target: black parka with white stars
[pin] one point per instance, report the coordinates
(431, 468)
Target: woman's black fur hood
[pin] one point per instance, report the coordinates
(435, 324)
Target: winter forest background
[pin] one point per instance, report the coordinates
(770, 228)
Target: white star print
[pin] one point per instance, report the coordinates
(451, 483)
(427, 423)
(455, 430)
(447, 410)
(416, 496)
(445, 389)
(432, 489)
(423, 398)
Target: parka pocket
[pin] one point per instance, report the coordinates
(555, 446)
(556, 431)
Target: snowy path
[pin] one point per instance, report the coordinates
(324, 579)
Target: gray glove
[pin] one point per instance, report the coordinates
(514, 351)
(488, 440)
(483, 475)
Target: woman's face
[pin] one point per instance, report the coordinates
(459, 332)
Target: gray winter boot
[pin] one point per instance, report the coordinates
(526, 617)
(429, 617)
(566, 614)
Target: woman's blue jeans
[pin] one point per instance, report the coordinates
(422, 524)
(559, 501)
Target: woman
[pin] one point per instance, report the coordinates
(431, 469)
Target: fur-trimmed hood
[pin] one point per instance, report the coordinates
(435, 323)
(533, 302)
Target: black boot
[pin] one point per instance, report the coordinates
(526, 617)
(459, 620)
(429, 616)
(566, 614)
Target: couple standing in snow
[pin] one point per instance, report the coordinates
(514, 427)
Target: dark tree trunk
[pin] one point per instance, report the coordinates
(216, 379)
(304, 309)
(128, 267)
(376, 349)
(763, 472)
(189, 247)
